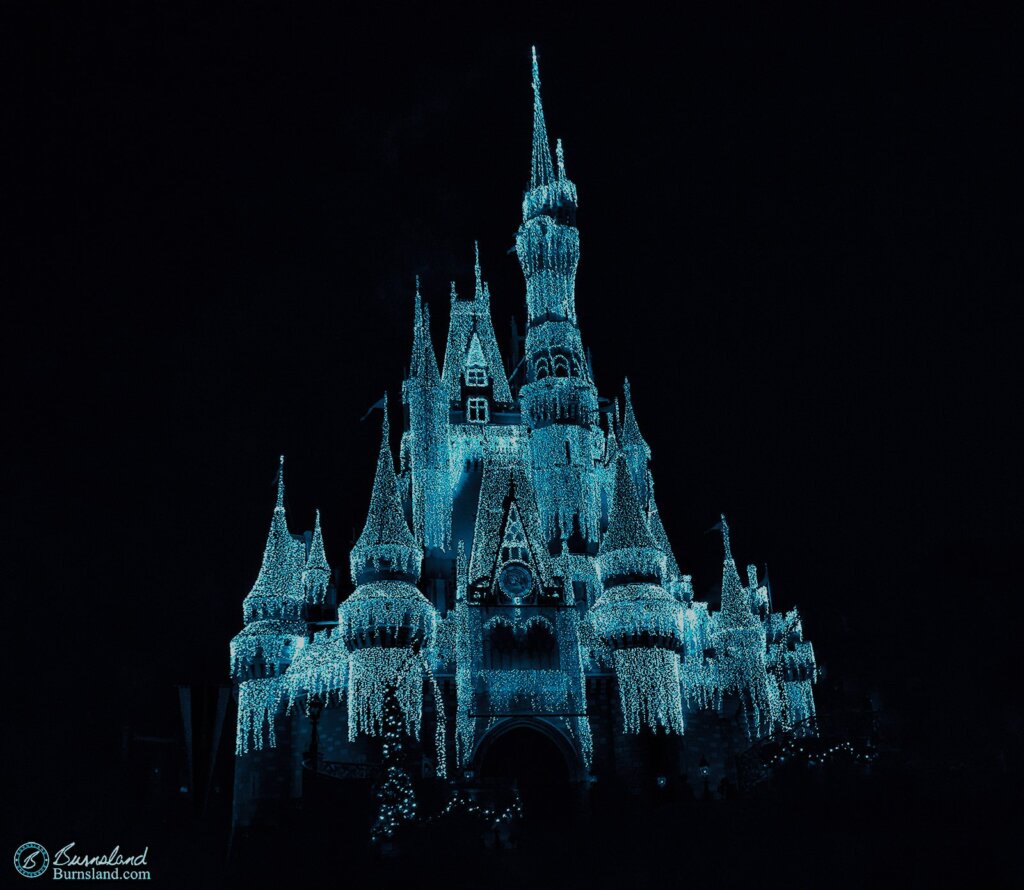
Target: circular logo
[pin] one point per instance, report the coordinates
(31, 859)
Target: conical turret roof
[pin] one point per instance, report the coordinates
(317, 558)
(631, 436)
(386, 537)
(627, 525)
(281, 568)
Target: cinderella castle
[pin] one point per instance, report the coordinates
(513, 601)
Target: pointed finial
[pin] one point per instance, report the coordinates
(477, 275)
(542, 173)
(317, 558)
(280, 485)
(560, 158)
(417, 331)
(385, 427)
(725, 539)
(454, 293)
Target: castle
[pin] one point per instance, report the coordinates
(513, 586)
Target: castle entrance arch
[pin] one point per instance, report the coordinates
(533, 754)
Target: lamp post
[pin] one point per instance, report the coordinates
(315, 708)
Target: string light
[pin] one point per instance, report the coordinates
(258, 703)
(319, 669)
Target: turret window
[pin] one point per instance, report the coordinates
(561, 365)
(476, 377)
(476, 410)
(541, 368)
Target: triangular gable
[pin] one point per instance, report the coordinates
(507, 513)
(475, 356)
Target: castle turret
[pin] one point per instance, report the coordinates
(425, 442)
(739, 643)
(262, 651)
(559, 400)
(636, 618)
(386, 622)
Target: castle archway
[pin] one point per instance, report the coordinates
(528, 751)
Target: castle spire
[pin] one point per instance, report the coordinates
(415, 365)
(317, 574)
(386, 542)
(317, 558)
(636, 449)
(430, 368)
(478, 290)
(280, 486)
(279, 575)
(631, 436)
(735, 604)
(560, 159)
(542, 172)
(627, 525)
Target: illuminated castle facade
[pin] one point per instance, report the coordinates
(513, 576)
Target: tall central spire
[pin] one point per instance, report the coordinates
(543, 171)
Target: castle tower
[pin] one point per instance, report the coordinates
(636, 618)
(559, 400)
(425, 442)
(272, 612)
(386, 622)
(261, 654)
(739, 642)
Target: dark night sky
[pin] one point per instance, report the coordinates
(795, 241)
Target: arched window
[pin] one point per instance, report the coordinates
(541, 369)
(476, 410)
(561, 364)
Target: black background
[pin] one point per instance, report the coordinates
(797, 242)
